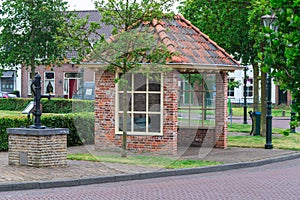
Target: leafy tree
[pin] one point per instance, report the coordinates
(282, 47)
(28, 33)
(131, 44)
(226, 22)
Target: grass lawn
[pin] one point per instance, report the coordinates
(246, 128)
(151, 161)
(239, 111)
(291, 142)
(8, 113)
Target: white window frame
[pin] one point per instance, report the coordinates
(46, 81)
(147, 112)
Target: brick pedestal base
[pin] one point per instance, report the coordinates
(38, 147)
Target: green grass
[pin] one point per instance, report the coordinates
(276, 112)
(8, 113)
(291, 142)
(150, 161)
(246, 128)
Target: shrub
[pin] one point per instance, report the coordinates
(55, 105)
(80, 125)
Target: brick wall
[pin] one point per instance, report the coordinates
(105, 137)
(221, 111)
(38, 151)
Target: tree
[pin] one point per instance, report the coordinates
(131, 44)
(282, 47)
(28, 33)
(226, 22)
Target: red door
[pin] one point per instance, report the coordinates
(72, 87)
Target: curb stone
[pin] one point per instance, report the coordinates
(141, 176)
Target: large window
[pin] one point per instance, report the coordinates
(144, 103)
(197, 100)
(49, 83)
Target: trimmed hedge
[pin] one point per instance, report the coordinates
(80, 125)
(54, 105)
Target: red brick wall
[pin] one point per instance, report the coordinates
(221, 111)
(105, 137)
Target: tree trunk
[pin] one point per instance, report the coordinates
(263, 103)
(256, 87)
(124, 128)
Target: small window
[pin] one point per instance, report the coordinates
(49, 83)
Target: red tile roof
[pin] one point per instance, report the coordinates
(192, 46)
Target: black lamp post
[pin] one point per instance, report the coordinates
(245, 95)
(268, 21)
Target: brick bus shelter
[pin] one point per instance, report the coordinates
(185, 106)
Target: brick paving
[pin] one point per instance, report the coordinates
(264, 182)
(83, 169)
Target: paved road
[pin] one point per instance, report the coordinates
(274, 181)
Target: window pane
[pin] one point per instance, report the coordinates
(125, 81)
(210, 82)
(121, 105)
(209, 118)
(140, 122)
(139, 82)
(49, 75)
(183, 117)
(210, 99)
(121, 122)
(139, 102)
(154, 123)
(154, 82)
(154, 102)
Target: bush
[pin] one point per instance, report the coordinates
(80, 125)
(11, 122)
(55, 105)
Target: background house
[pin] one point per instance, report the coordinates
(236, 95)
(68, 78)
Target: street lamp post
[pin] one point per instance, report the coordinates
(268, 21)
(245, 96)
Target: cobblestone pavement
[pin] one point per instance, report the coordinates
(80, 169)
(273, 181)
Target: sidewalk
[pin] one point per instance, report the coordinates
(83, 172)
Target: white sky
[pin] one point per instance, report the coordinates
(89, 5)
(81, 5)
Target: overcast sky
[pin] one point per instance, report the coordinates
(88, 5)
(81, 5)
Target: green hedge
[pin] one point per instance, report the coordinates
(54, 105)
(80, 125)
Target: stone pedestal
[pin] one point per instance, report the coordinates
(38, 147)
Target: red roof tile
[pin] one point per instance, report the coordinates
(193, 46)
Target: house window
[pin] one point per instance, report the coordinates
(49, 83)
(144, 103)
(197, 95)
(7, 81)
(230, 91)
(249, 87)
